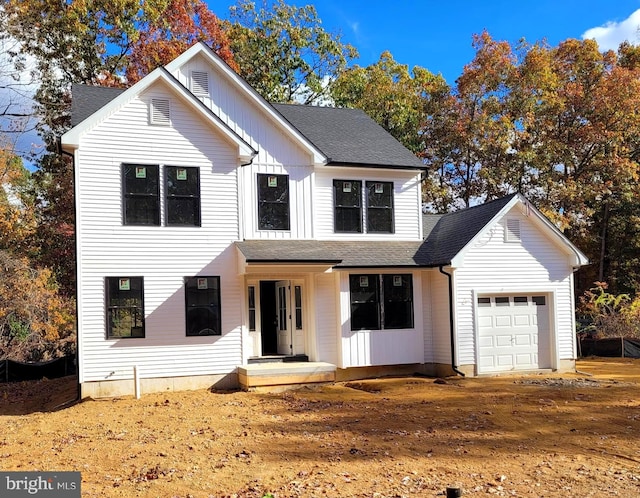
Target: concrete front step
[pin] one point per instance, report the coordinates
(267, 375)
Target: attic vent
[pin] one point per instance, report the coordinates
(512, 232)
(160, 111)
(200, 83)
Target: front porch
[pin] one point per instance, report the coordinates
(284, 374)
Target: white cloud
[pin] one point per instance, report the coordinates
(611, 34)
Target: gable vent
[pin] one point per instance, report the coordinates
(200, 83)
(512, 232)
(160, 111)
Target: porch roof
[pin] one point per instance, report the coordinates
(337, 254)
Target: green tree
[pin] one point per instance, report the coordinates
(284, 53)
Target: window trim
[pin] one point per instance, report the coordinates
(287, 225)
(168, 197)
(390, 208)
(108, 307)
(218, 304)
(380, 299)
(336, 208)
(127, 195)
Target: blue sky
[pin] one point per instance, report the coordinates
(436, 34)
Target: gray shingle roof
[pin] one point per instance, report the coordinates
(339, 254)
(87, 99)
(446, 235)
(345, 136)
(348, 136)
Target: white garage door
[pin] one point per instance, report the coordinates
(513, 333)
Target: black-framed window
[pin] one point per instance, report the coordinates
(379, 207)
(252, 308)
(182, 195)
(141, 194)
(202, 306)
(347, 206)
(273, 202)
(125, 307)
(381, 301)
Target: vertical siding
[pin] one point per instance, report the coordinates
(534, 264)
(361, 348)
(326, 325)
(162, 255)
(406, 198)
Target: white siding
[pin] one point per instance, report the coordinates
(362, 348)
(441, 328)
(326, 312)
(162, 255)
(494, 266)
(243, 117)
(406, 198)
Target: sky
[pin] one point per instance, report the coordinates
(437, 34)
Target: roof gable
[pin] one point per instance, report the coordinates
(453, 234)
(95, 104)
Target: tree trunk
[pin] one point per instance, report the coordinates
(603, 241)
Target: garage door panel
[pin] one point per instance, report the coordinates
(509, 328)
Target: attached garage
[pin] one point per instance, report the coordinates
(514, 332)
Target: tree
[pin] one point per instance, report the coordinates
(284, 53)
(163, 38)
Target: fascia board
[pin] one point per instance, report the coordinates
(577, 257)
(200, 48)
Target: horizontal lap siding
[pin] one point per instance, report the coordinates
(441, 327)
(535, 263)
(407, 214)
(326, 318)
(162, 255)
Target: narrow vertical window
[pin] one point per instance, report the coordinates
(347, 206)
(183, 195)
(298, 306)
(273, 202)
(141, 194)
(202, 302)
(379, 207)
(252, 308)
(282, 308)
(125, 307)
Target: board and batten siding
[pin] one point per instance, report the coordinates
(364, 348)
(162, 255)
(406, 202)
(300, 201)
(533, 265)
(242, 115)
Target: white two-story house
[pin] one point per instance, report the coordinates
(217, 232)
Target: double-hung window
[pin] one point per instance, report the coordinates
(273, 202)
(125, 307)
(182, 195)
(379, 207)
(202, 303)
(381, 301)
(141, 193)
(347, 206)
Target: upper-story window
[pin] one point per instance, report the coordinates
(348, 206)
(141, 193)
(273, 202)
(183, 195)
(379, 207)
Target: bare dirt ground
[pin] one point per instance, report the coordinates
(573, 435)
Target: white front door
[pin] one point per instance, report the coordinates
(283, 326)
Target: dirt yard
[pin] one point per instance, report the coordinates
(543, 436)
